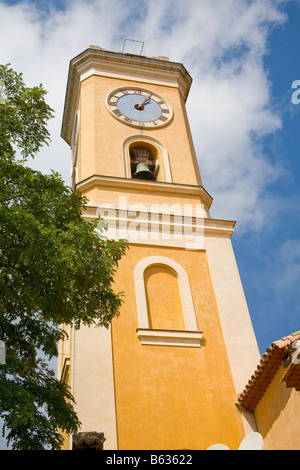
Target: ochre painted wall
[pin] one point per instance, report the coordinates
(65, 349)
(278, 415)
(172, 397)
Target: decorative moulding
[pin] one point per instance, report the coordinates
(170, 337)
(157, 186)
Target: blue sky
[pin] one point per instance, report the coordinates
(243, 57)
(269, 260)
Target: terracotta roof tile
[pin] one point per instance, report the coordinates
(266, 370)
(292, 374)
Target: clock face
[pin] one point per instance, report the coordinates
(139, 107)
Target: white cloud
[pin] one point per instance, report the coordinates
(221, 43)
(229, 114)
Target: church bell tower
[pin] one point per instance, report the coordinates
(167, 372)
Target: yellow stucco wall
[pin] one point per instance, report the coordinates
(64, 363)
(172, 397)
(278, 416)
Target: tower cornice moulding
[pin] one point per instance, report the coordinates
(117, 182)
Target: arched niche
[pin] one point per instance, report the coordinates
(189, 335)
(163, 297)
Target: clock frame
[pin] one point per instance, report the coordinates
(139, 107)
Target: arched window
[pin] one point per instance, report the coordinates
(165, 309)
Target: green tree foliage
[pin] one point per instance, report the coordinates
(54, 270)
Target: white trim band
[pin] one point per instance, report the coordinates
(170, 337)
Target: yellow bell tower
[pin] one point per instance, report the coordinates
(166, 374)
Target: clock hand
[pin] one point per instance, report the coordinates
(145, 101)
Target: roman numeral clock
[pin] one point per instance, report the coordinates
(139, 107)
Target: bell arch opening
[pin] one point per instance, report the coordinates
(143, 163)
(150, 154)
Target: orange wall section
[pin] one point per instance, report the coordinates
(278, 415)
(171, 397)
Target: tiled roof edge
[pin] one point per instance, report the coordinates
(265, 371)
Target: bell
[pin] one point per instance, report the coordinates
(143, 172)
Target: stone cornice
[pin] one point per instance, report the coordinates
(117, 182)
(185, 338)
